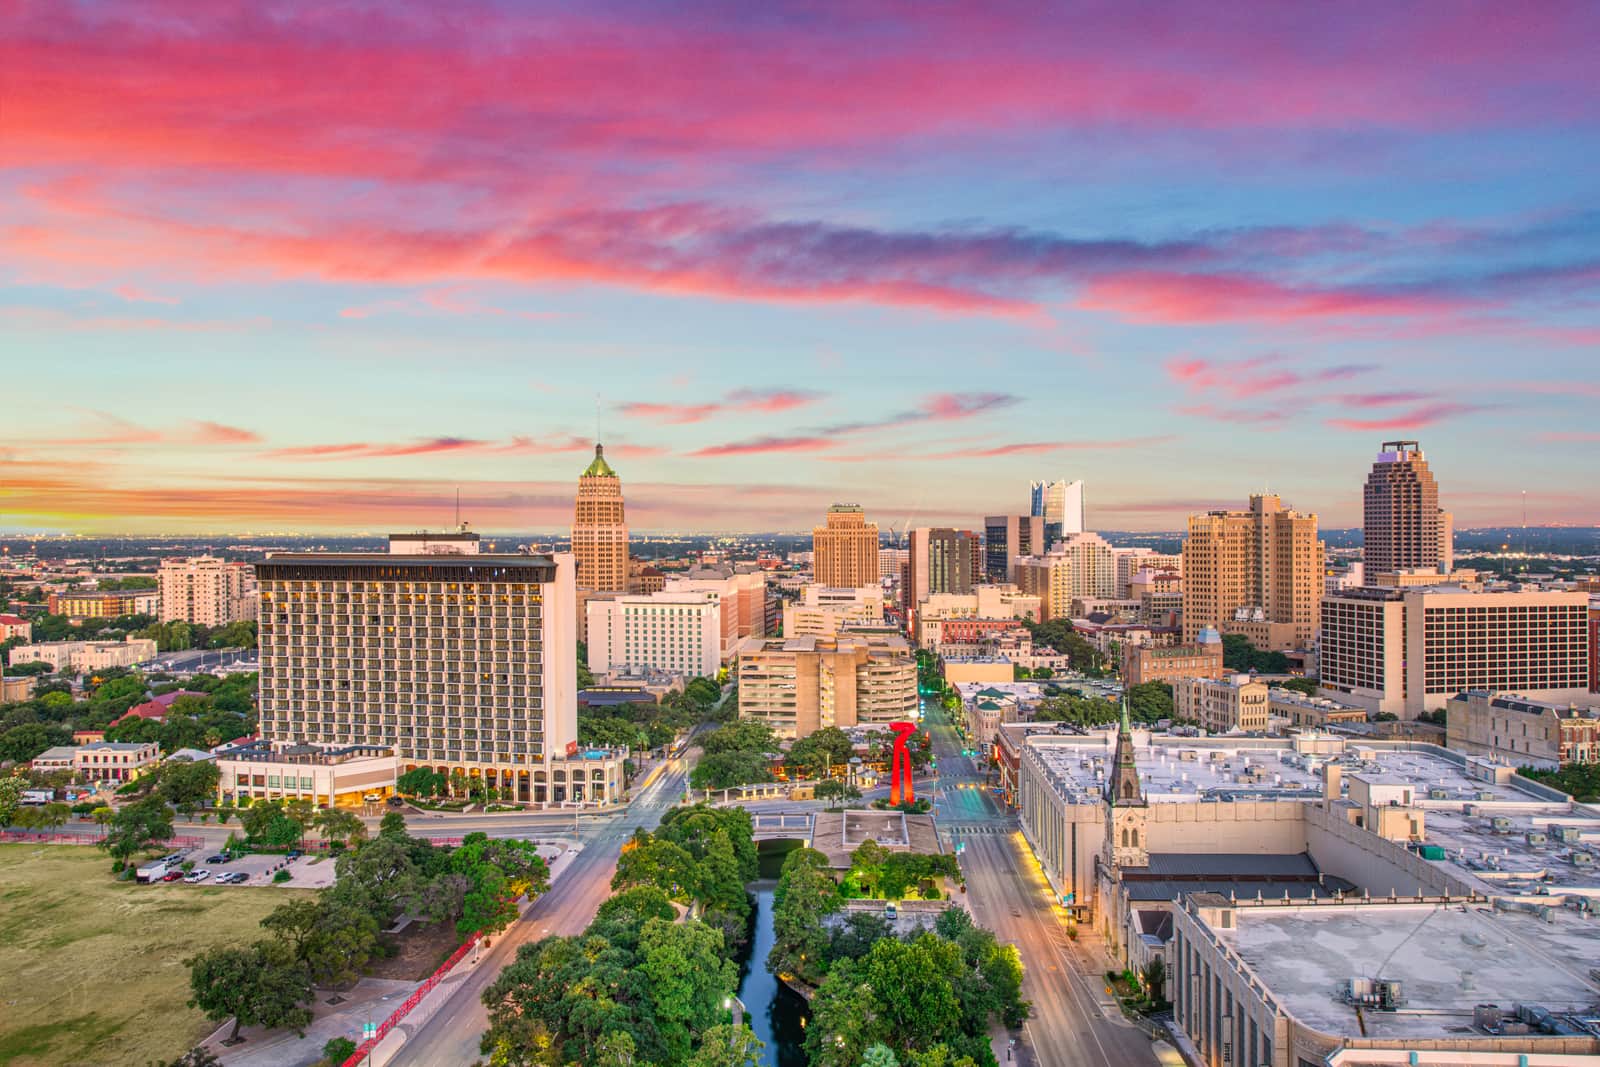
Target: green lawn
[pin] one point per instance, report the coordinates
(91, 969)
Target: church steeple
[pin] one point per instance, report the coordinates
(1122, 784)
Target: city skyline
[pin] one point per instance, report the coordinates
(777, 262)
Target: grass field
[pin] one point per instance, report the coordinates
(91, 969)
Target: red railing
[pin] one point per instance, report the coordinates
(411, 1002)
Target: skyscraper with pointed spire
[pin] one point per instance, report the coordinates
(599, 531)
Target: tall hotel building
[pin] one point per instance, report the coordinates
(449, 658)
(1402, 526)
(844, 551)
(1409, 650)
(1256, 572)
(599, 531)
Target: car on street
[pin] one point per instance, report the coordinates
(172, 876)
(196, 877)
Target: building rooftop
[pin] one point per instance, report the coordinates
(1175, 769)
(1448, 957)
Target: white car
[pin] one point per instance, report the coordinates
(196, 877)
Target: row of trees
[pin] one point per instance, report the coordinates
(643, 983)
(923, 1000)
(1581, 780)
(737, 753)
(1238, 654)
(330, 938)
(642, 725)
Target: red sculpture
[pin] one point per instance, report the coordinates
(900, 790)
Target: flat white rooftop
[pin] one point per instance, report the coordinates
(1178, 770)
(1447, 957)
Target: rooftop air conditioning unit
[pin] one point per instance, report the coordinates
(1500, 824)
(1535, 837)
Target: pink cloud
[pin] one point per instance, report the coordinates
(1167, 297)
(762, 445)
(215, 433)
(517, 445)
(676, 414)
(1414, 419)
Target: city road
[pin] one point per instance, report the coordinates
(451, 1034)
(1074, 1022)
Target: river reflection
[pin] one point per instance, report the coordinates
(775, 1012)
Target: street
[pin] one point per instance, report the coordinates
(1075, 1023)
(452, 1033)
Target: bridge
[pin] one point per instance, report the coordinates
(779, 825)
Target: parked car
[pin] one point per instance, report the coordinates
(293, 854)
(172, 876)
(397, 802)
(197, 876)
(220, 857)
(231, 878)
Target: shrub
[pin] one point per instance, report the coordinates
(85, 807)
(282, 876)
(338, 1050)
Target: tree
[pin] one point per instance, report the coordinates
(880, 1056)
(200, 1056)
(1150, 701)
(818, 752)
(744, 735)
(688, 977)
(338, 827)
(21, 743)
(724, 770)
(338, 1049)
(834, 789)
(11, 788)
(188, 782)
(136, 827)
(393, 824)
(726, 1045)
(421, 782)
(255, 986)
(376, 877)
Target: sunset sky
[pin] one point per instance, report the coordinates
(280, 266)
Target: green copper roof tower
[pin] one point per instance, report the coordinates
(599, 468)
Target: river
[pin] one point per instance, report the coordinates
(775, 1011)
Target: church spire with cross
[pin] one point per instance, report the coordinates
(1122, 784)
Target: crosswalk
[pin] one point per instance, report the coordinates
(992, 829)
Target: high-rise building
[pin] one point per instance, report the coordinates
(1402, 525)
(206, 591)
(453, 661)
(599, 530)
(741, 597)
(1005, 537)
(675, 633)
(940, 561)
(1256, 572)
(797, 685)
(1407, 650)
(1079, 565)
(1060, 504)
(844, 550)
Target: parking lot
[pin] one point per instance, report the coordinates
(306, 872)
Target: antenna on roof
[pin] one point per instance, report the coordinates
(458, 507)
